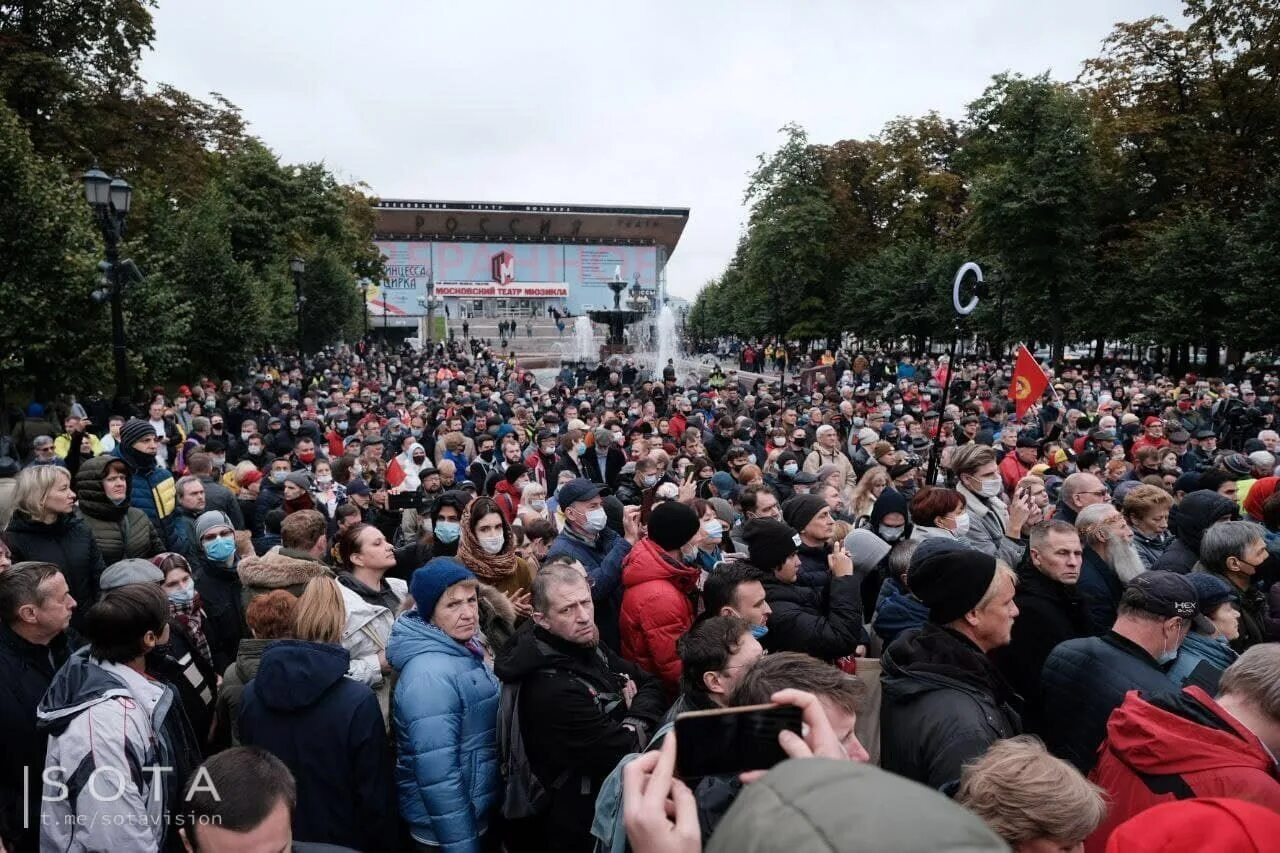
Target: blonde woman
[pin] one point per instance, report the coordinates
(327, 728)
(865, 492)
(1031, 799)
(45, 529)
(533, 504)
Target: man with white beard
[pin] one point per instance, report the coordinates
(1111, 560)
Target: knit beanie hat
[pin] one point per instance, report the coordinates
(134, 430)
(127, 571)
(301, 479)
(672, 524)
(211, 519)
(430, 582)
(798, 511)
(770, 542)
(514, 472)
(950, 582)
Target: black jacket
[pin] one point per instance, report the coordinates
(1083, 681)
(1049, 613)
(1189, 520)
(1101, 588)
(25, 671)
(68, 543)
(224, 626)
(564, 726)
(329, 731)
(824, 623)
(180, 663)
(944, 703)
(218, 496)
(614, 460)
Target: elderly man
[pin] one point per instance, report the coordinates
(1234, 550)
(1111, 560)
(826, 451)
(1079, 491)
(1084, 680)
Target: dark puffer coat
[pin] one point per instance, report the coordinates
(67, 543)
(1189, 520)
(120, 531)
(944, 704)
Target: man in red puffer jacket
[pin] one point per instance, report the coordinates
(1184, 745)
(660, 594)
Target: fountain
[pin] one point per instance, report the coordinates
(584, 338)
(616, 318)
(668, 339)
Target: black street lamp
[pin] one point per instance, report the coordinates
(298, 266)
(110, 199)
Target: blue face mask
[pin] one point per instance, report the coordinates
(220, 549)
(185, 595)
(447, 531)
(758, 631)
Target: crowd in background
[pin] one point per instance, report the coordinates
(421, 600)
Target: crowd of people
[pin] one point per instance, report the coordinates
(387, 599)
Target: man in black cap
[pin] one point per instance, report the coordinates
(1084, 680)
(944, 701)
(587, 538)
(824, 622)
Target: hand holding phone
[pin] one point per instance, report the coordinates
(730, 741)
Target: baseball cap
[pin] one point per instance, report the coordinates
(577, 489)
(1163, 594)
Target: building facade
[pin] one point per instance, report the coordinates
(513, 260)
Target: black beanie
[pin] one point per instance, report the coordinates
(798, 511)
(951, 583)
(672, 524)
(770, 542)
(134, 430)
(514, 472)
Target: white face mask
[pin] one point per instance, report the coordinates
(491, 544)
(962, 525)
(991, 488)
(890, 534)
(596, 520)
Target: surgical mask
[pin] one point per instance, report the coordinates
(342, 425)
(218, 461)
(220, 549)
(295, 424)
(1166, 655)
(991, 488)
(650, 480)
(758, 631)
(538, 505)
(890, 534)
(323, 479)
(307, 456)
(779, 441)
(962, 525)
(751, 459)
(790, 469)
(491, 544)
(279, 477)
(255, 450)
(447, 531)
(245, 436)
(186, 594)
(580, 448)
(713, 529)
(596, 520)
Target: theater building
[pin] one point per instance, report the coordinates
(516, 260)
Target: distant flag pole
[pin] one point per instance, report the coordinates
(1029, 382)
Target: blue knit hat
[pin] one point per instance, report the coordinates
(429, 582)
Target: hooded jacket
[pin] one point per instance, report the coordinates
(120, 531)
(403, 471)
(1083, 681)
(151, 489)
(1201, 661)
(100, 715)
(237, 675)
(328, 730)
(823, 623)
(943, 704)
(1189, 520)
(66, 542)
(445, 723)
(572, 724)
(658, 605)
(274, 570)
(1175, 746)
(1150, 547)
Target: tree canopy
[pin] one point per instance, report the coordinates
(1138, 202)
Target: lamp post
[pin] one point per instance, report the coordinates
(298, 266)
(110, 200)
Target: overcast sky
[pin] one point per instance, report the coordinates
(653, 103)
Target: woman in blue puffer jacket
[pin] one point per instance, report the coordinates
(445, 711)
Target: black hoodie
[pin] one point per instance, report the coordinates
(1198, 511)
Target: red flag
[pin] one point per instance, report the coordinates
(1028, 384)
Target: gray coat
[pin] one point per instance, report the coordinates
(988, 520)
